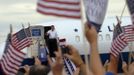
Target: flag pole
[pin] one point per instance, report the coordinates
(123, 11)
(84, 39)
(25, 33)
(10, 34)
(11, 28)
(29, 26)
(24, 29)
(113, 25)
(119, 21)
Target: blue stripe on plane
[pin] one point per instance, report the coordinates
(104, 57)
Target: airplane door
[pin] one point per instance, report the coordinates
(37, 36)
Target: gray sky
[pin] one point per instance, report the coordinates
(16, 12)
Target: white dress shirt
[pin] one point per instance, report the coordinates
(52, 34)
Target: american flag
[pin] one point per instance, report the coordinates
(69, 66)
(119, 42)
(20, 39)
(28, 32)
(129, 32)
(117, 31)
(11, 59)
(130, 4)
(61, 8)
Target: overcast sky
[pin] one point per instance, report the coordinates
(16, 12)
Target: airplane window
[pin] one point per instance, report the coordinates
(100, 37)
(108, 37)
(77, 38)
(76, 30)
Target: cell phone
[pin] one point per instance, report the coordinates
(52, 47)
(42, 54)
(64, 49)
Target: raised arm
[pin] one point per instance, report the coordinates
(57, 66)
(113, 64)
(125, 68)
(95, 61)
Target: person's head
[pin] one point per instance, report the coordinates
(38, 70)
(52, 27)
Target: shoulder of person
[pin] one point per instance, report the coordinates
(48, 31)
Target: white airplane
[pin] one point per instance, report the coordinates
(72, 31)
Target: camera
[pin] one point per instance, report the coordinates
(64, 49)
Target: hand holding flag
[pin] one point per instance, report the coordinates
(118, 43)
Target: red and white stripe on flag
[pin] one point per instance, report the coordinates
(20, 40)
(11, 60)
(61, 8)
(20, 44)
(129, 33)
(118, 45)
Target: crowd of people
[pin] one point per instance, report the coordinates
(95, 68)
